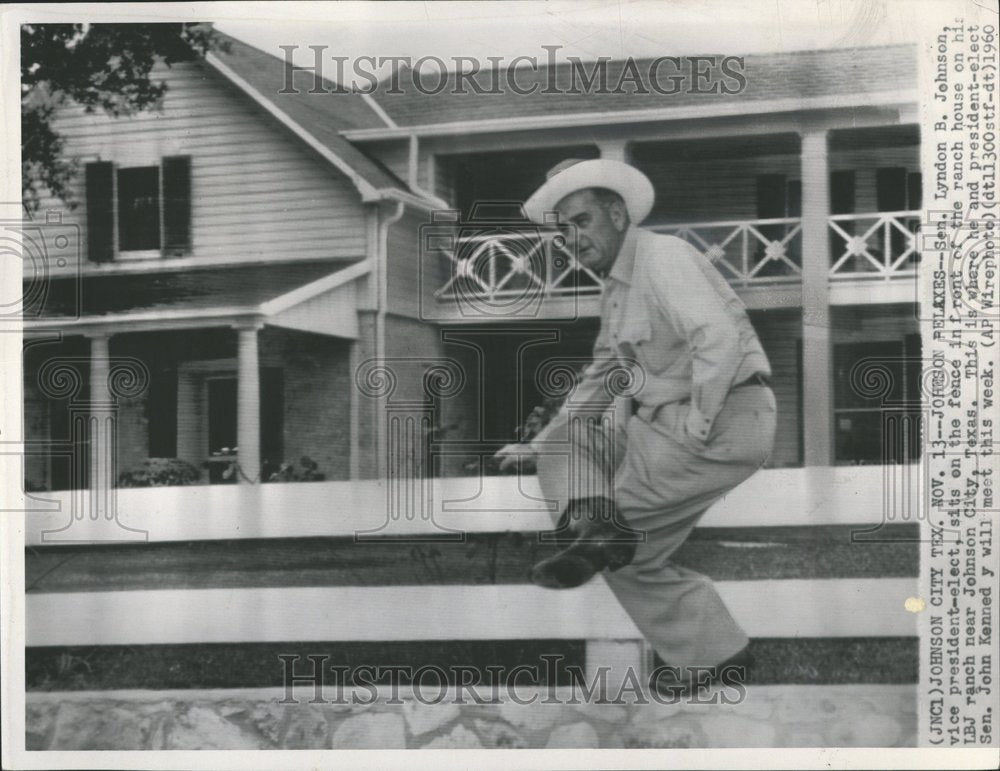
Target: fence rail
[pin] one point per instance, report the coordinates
(827, 495)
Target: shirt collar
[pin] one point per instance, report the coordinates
(624, 264)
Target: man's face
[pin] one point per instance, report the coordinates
(600, 228)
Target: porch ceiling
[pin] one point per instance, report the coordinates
(177, 298)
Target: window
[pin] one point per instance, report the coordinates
(221, 393)
(136, 211)
(139, 208)
(872, 424)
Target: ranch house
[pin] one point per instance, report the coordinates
(280, 273)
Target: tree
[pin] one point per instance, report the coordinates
(99, 66)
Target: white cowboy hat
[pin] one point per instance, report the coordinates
(573, 175)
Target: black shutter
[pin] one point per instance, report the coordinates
(177, 205)
(842, 184)
(100, 180)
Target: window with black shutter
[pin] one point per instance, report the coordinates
(139, 211)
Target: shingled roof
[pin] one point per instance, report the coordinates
(322, 116)
(770, 76)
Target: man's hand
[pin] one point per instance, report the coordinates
(510, 455)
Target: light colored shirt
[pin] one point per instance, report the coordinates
(669, 316)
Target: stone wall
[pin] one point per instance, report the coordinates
(770, 716)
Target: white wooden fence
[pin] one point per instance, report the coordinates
(850, 607)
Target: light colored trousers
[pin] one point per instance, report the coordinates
(662, 481)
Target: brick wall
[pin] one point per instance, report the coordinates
(317, 389)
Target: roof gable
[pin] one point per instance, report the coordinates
(323, 116)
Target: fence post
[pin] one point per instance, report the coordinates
(609, 662)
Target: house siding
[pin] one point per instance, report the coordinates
(257, 194)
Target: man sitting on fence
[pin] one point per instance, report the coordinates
(699, 419)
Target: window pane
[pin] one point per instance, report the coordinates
(139, 208)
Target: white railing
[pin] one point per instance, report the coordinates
(747, 252)
(508, 263)
(878, 245)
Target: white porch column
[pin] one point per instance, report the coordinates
(817, 355)
(614, 150)
(101, 463)
(248, 404)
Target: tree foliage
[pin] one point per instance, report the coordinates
(99, 66)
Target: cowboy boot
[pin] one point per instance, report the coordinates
(676, 683)
(599, 538)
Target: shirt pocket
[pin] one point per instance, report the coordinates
(636, 341)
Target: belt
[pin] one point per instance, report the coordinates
(757, 379)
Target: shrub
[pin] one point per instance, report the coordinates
(308, 471)
(159, 472)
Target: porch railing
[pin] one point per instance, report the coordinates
(513, 263)
(748, 252)
(508, 263)
(878, 245)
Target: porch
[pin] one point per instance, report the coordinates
(775, 214)
(217, 375)
(817, 222)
